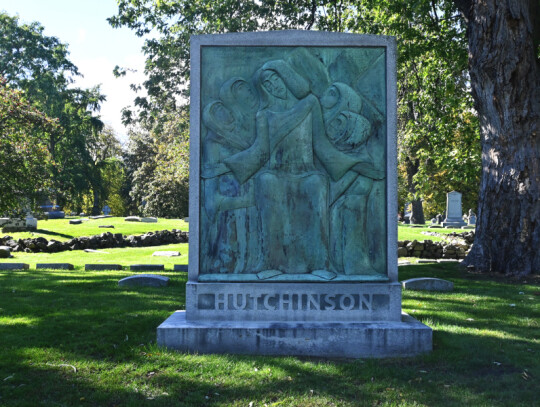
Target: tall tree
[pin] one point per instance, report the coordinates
(504, 38)
(436, 126)
(24, 157)
(39, 65)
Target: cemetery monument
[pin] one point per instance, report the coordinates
(454, 214)
(293, 233)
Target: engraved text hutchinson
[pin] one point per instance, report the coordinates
(293, 302)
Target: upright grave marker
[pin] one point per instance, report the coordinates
(293, 199)
(454, 214)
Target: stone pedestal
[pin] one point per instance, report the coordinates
(377, 339)
(291, 251)
(454, 214)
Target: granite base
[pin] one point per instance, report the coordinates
(382, 339)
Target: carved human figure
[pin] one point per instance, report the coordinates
(229, 219)
(291, 192)
(349, 132)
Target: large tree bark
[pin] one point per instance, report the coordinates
(505, 80)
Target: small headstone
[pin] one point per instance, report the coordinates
(56, 215)
(144, 280)
(149, 220)
(75, 221)
(54, 266)
(73, 214)
(447, 260)
(166, 254)
(434, 221)
(13, 266)
(82, 214)
(439, 218)
(186, 219)
(427, 284)
(95, 251)
(132, 219)
(106, 226)
(5, 252)
(106, 210)
(147, 267)
(404, 263)
(31, 222)
(420, 261)
(101, 267)
(181, 267)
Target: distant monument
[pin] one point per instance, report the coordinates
(106, 210)
(293, 199)
(454, 214)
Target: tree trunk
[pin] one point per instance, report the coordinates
(95, 208)
(417, 211)
(505, 80)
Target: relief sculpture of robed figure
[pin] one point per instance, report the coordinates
(287, 176)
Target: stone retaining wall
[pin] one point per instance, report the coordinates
(457, 248)
(103, 241)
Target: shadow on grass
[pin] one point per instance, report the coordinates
(108, 333)
(48, 232)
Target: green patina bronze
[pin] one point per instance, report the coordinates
(293, 164)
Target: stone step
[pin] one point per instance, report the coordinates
(145, 280)
(13, 266)
(100, 267)
(55, 266)
(147, 267)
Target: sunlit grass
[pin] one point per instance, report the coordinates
(74, 338)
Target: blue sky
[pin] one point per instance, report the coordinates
(95, 47)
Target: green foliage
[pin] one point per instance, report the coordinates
(157, 163)
(24, 157)
(436, 125)
(39, 66)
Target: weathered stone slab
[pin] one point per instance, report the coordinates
(106, 226)
(145, 280)
(181, 267)
(404, 263)
(166, 254)
(55, 266)
(427, 284)
(147, 267)
(279, 283)
(95, 251)
(132, 219)
(447, 260)
(422, 261)
(469, 227)
(75, 221)
(406, 337)
(100, 267)
(5, 252)
(13, 266)
(149, 220)
(275, 301)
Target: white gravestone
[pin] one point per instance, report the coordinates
(454, 214)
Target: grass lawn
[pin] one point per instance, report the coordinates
(124, 256)
(74, 338)
(405, 232)
(61, 230)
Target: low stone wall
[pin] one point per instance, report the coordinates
(457, 246)
(103, 241)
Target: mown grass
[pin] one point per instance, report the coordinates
(406, 232)
(61, 230)
(74, 338)
(124, 256)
